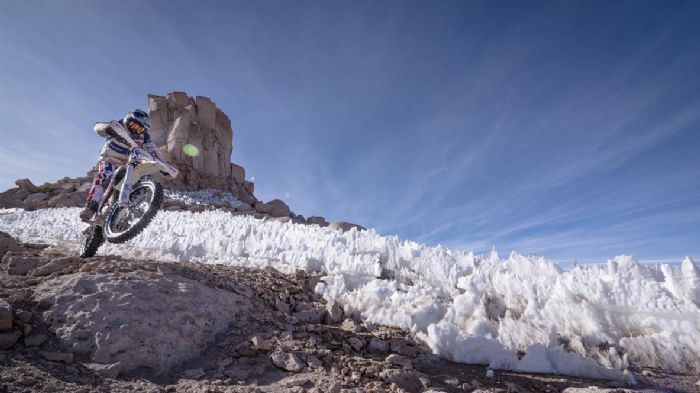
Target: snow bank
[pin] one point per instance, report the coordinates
(204, 197)
(591, 321)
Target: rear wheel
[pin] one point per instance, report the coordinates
(92, 240)
(123, 223)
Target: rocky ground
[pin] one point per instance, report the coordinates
(122, 325)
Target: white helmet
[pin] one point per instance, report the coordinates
(137, 121)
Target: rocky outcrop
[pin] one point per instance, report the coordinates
(26, 185)
(143, 301)
(5, 316)
(320, 221)
(345, 226)
(197, 138)
(7, 243)
(66, 192)
(274, 208)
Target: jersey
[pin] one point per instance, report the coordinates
(115, 150)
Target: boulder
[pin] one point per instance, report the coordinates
(24, 316)
(334, 312)
(238, 173)
(400, 360)
(7, 243)
(378, 346)
(261, 344)
(274, 208)
(236, 373)
(34, 340)
(57, 265)
(96, 330)
(62, 357)
(247, 198)
(313, 315)
(249, 187)
(66, 200)
(85, 187)
(27, 185)
(287, 361)
(66, 185)
(244, 207)
(9, 339)
(5, 316)
(195, 373)
(350, 325)
(247, 348)
(20, 263)
(408, 380)
(401, 346)
(36, 197)
(356, 343)
(13, 198)
(320, 221)
(106, 370)
(346, 226)
(313, 361)
(282, 306)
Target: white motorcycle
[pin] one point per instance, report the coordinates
(130, 201)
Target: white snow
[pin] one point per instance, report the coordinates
(204, 197)
(590, 321)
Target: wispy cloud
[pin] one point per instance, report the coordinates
(567, 129)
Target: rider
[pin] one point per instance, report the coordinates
(115, 151)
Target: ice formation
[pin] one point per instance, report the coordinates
(590, 321)
(204, 197)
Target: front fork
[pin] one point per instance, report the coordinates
(125, 191)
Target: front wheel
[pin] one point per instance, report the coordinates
(91, 241)
(123, 223)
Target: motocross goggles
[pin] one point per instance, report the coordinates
(135, 127)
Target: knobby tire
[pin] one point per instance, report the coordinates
(143, 222)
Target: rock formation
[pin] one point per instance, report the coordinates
(66, 192)
(179, 121)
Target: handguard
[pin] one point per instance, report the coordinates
(120, 136)
(169, 170)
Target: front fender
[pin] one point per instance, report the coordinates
(152, 165)
(146, 168)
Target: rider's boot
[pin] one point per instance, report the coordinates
(89, 211)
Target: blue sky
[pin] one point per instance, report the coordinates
(567, 129)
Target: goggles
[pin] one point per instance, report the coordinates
(136, 127)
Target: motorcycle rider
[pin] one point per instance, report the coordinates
(115, 152)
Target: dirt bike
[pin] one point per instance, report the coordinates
(130, 201)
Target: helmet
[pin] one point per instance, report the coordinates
(137, 121)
